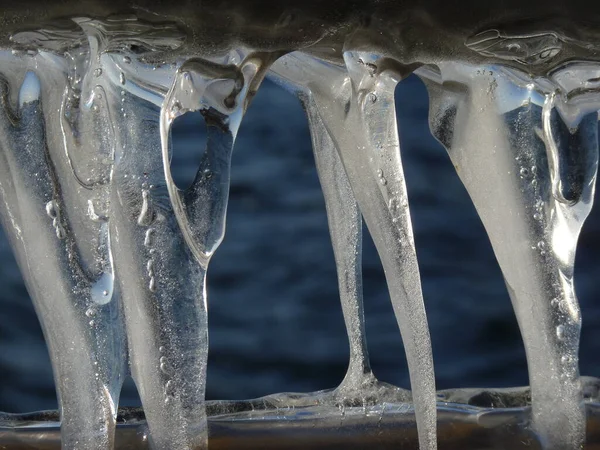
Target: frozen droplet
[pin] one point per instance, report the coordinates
(52, 209)
(150, 267)
(60, 232)
(126, 59)
(102, 289)
(164, 365)
(89, 312)
(98, 72)
(122, 78)
(170, 388)
(148, 237)
(30, 89)
(152, 284)
(560, 332)
(524, 171)
(146, 216)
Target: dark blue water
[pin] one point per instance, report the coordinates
(275, 319)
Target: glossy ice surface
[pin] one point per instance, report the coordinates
(115, 255)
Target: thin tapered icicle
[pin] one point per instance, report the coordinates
(516, 156)
(345, 228)
(362, 123)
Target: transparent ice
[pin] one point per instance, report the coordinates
(115, 255)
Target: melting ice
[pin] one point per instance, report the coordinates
(115, 255)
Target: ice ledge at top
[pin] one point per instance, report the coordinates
(536, 34)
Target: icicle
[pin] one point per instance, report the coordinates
(531, 175)
(360, 117)
(221, 93)
(166, 238)
(159, 281)
(68, 274)
(217, 91)
(345, 228)
(161, 284)
(80, 137)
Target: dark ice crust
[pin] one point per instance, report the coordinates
(412, 32)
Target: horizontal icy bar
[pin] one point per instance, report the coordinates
(436, 28)
(387, 426)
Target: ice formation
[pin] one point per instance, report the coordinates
(526, 149)
(115, 255)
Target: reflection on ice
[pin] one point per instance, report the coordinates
(115, 255)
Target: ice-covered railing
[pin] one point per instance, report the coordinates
(115, 255)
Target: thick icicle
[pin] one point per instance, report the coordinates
(526, 150)
(167, 238)
(65, 257)
(161, 284)
(360, 117)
